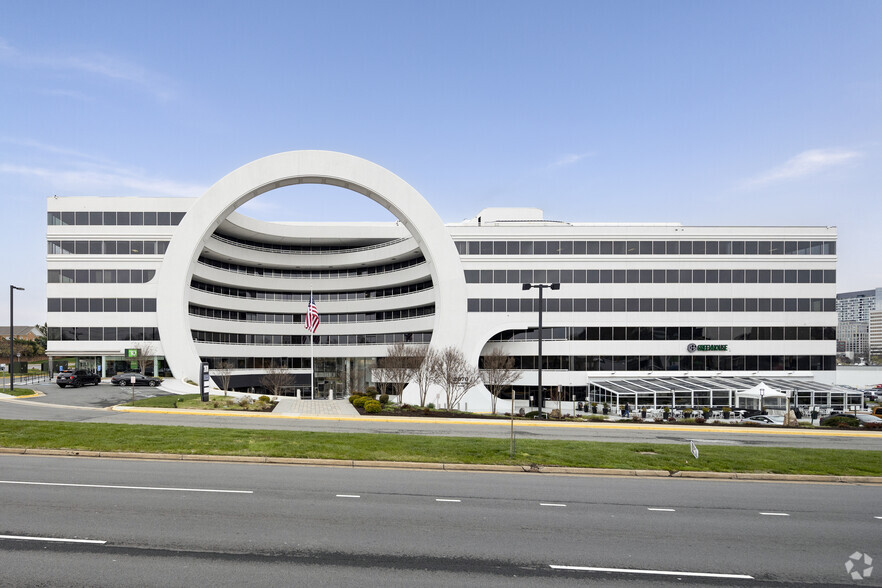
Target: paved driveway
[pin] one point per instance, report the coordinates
(101, 396)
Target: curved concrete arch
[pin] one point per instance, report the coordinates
(304, 167)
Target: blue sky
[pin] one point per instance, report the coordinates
(705, 113)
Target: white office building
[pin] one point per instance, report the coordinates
(683, 310)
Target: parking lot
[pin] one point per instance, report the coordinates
(101, 396)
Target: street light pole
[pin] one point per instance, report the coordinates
(540, 287)
(12, 290)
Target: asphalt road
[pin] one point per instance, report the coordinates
(91, 404)
(182, 524)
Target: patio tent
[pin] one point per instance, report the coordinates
(760, 392)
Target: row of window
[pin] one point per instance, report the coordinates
(102, 305)
(304, 296)
(85, 247)
(653, 276)
(370, 339)
(296, 318)
(250, 363)
(668, 334)
(646, 247)
(270, 272)
(97, 276)
(103, 334)
(653, 305)
(675, 363)
(117, 218)
(308, 249)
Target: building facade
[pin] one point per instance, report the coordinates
(191, 280)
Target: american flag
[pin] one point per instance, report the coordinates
(312, 316)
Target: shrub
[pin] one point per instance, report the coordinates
(360, 401)
(370, 391)
(842, 422)
(700, 420)
(658, 420)
(636, 419)
(431, 406)
(264, 399)
(353, 397)
(873, 426)
(384, 398)
(597, 418)
(245, 401)
(372, 406)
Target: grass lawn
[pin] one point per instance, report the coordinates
(420, 448)
(17, 392)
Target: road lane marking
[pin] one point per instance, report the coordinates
(775, 514)
(348, 496)
(662, 509)
(653, 572)
(448, 500)
(53, 539)
(128, 487)
(550, 504)
(877, 517)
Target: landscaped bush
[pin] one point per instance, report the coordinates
(597, 418)
(700, 420)
(265, 399)
(245, 401)
(359, 401)
(372, 406)
(431, 406)
(841, 422)
(384, 398)
(353, 397)
(370, 391)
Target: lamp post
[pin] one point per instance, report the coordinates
(540, 287)
(12, 290)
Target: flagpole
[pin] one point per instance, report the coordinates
(311, 359)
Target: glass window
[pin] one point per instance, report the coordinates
(698, 248)
(711, 247)
(95, 218)
(685, 247)
(163, 218)
(764, 247)
(512, 248)
(750, 247)
(176, 218)
(81, 247)
(526, 248)
(777, 248)
(122, 305)
(552, 247)
(122, 218)
(53, 218)
(725, 247)
(68, 218)
(539, 247)
(620, 247)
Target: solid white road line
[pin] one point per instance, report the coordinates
(877, 517)
(448, 500)
(653, 572)
(129, 487)
(775, 514)
(54, 539)
(550, 504)
(662, 509)
(348, 496)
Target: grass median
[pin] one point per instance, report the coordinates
(420, 448)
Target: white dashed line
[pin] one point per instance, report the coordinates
(662, 509)
(653, 572)
(550, 504)
(448, 500)
(129, 487)
(348, 496)
(877, 517)
(53, 539)
(775, 514)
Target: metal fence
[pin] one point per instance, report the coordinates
(23, 380)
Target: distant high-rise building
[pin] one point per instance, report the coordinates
(874, 332)
(853, 310)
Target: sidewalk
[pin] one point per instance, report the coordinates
(293, 407)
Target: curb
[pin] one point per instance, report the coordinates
(453, 467)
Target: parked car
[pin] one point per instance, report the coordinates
(877, 411)
(77, 378)
(140, 380)
(868, 419)
(765, 419)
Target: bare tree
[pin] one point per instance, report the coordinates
(224, 373)
(498, 373)
(354, 379)
(454, 374)
(424, 359)
(399, 364)
(145, 356)
(276, 379)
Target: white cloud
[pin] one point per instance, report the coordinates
(100, 64)
(805, 164)
(570, 159)
(100, 180)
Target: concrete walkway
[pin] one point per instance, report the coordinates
(293, 407)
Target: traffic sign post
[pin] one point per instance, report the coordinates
(133, 390)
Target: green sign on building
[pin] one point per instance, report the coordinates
(132, 353)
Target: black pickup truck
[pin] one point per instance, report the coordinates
(77, 378)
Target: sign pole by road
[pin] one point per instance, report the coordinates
(203, 382)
